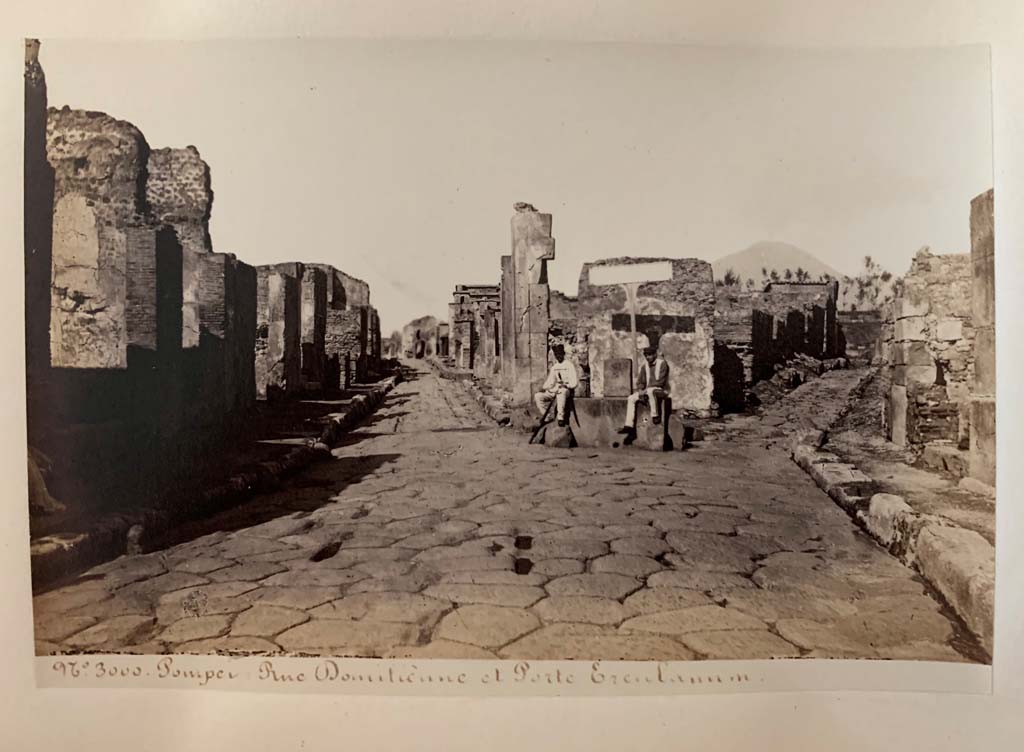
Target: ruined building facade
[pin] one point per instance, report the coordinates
(938, 351)
(146, 348)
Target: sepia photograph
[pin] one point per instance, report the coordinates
(513, 351)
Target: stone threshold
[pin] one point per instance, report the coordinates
(958, 563)
(61, 555)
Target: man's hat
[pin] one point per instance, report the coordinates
(650, 350)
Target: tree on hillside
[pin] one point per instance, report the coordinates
(801, 275)
(872, 287)
(774, 276)
(787, 275)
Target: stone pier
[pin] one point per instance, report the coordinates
(983, 308)
(179, 195)
(278, 330)
(532, 248)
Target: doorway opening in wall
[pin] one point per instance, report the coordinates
(497, 341)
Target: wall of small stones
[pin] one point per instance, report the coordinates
(930, 357)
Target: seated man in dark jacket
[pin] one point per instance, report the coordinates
(651, 387)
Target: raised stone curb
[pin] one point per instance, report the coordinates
(60, 555)
(959, 563)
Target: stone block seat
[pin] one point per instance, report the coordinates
(600, 420)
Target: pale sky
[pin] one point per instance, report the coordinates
(399, 162)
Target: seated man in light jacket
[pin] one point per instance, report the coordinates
(561, 378)
(651, 387)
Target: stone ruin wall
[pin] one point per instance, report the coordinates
(145, 347)
(678, 315)
(930, 357)
(860, 332)
(756, 331)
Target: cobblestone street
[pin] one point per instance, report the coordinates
(432, 533)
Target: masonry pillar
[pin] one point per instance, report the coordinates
(314, 326)
(532, 248)
(278, 359)
(983, 302)
(179, 196)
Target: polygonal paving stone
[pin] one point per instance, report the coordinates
(695, 619)
(696, 579)
(266, 621)
(557, 567)
(640, 546)
(384, 607)
(248, 572)
(191, 606)
(292, 597)
(278, 528)
(893, 628)
(381, 569)
(413, 582)
(496, 577)
(344, 637)
(479, 547)
(440, 649)
(655, 600)
(714, 553)
(581, 609)
(703, 522)
(631, 530)
(196, 628)
(229, 645)
(241, 546)
(201, 564)
(486, 626)
(164, 583)
(921, 651)
(567, 549)
(773, 606)
(804, 581)
(580, 533)
(793, 560)
(516, 596)
(319, 577)
(120, 630)
(500, 562)
(823, 637)
(601, 585)
(632, 566)
(744, 644)
(517, 527)
(56, 627)
(70, 598)
(589, 642)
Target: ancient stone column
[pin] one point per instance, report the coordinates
(179, 195)
(532, 248)
(983, 303)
